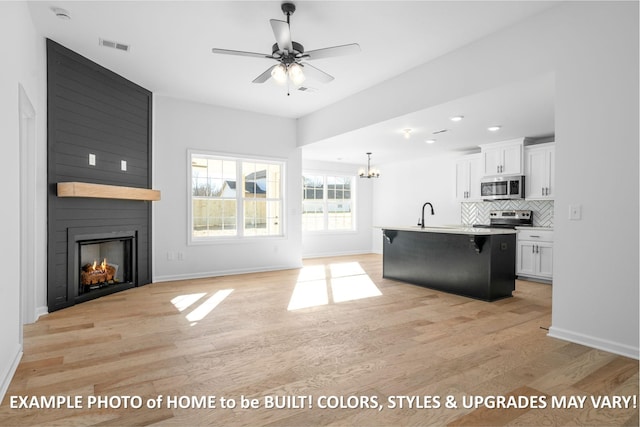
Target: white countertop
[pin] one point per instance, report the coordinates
(451, 230)
(535, 228)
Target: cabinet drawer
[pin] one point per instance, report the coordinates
(536, 235)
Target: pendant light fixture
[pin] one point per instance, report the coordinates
(369, 172)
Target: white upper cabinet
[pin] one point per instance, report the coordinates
(468, 174)
(539, 166)
(502, 158)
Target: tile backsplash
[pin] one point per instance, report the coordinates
(478, 212)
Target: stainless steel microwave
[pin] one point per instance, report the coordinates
(502, 187)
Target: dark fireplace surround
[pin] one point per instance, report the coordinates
(93, 112)
(88, 248)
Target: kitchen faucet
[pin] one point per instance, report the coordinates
(421, 223)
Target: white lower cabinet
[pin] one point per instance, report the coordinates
(535, 254)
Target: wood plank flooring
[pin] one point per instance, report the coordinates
(354, 339)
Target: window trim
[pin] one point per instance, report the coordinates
(354, 203)
(239, 237)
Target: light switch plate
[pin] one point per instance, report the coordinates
(123, 165)
(575, 212)
(92, 159)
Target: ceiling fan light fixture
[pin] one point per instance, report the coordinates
(279, 74)
(296, 74)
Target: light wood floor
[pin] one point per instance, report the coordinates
(234, 336)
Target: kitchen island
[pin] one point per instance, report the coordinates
(473, 262)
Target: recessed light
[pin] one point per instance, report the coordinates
(494, 128)
(407, 132)
(430, 141)
(456, 118)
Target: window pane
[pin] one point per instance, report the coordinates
(333, 213)
(214, 217)
(261, 217)
(216, 197)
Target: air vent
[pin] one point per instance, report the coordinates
(307, 89)
(115, 45)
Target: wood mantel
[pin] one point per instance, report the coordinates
(100, 191)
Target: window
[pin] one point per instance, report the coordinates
(235, 197)
(327, 202)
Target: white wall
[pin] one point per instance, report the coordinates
(404, 187)
(181, 125)
(342, 243)
(23, 64)
(593, 49)
(595, 298)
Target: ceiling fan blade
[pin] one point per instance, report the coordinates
(283, 34)
(264, 76)
(330, 52)
(240, 53)
(316, 73)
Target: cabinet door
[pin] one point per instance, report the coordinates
(526, 258)
(512, 160)
(462, 179)
(536, 173)
(545, 259)
(551, 172)
(475, 175)
(492, 160)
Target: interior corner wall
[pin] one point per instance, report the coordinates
(181, 125)
(319, 244)
(23, 64)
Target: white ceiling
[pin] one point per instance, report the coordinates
(171, 55)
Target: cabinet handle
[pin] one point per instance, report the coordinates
(533, 249)
(537, 249)
(535, 236)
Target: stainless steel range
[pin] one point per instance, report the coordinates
(508, 219)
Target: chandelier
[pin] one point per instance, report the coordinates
(369, 172)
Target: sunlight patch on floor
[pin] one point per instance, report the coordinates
(207, 306)
(182, 302)
(346, 281)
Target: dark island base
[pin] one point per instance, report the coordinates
(476, 266)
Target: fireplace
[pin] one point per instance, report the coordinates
(100, 263)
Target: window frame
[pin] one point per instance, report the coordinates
(239, 159)
(325, 201)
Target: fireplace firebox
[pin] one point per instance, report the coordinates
(101, 263)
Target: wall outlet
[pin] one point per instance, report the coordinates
(575, 212)
(92, 159)
(123, 165)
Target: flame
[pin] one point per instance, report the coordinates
(102, 267)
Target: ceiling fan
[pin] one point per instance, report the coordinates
(290, 55)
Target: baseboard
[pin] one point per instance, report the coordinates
(7, 375)
(590, 341)
(205, 274)
(330, 254)
(40, 311)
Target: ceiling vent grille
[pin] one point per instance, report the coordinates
(307, 89)
(114, 45)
